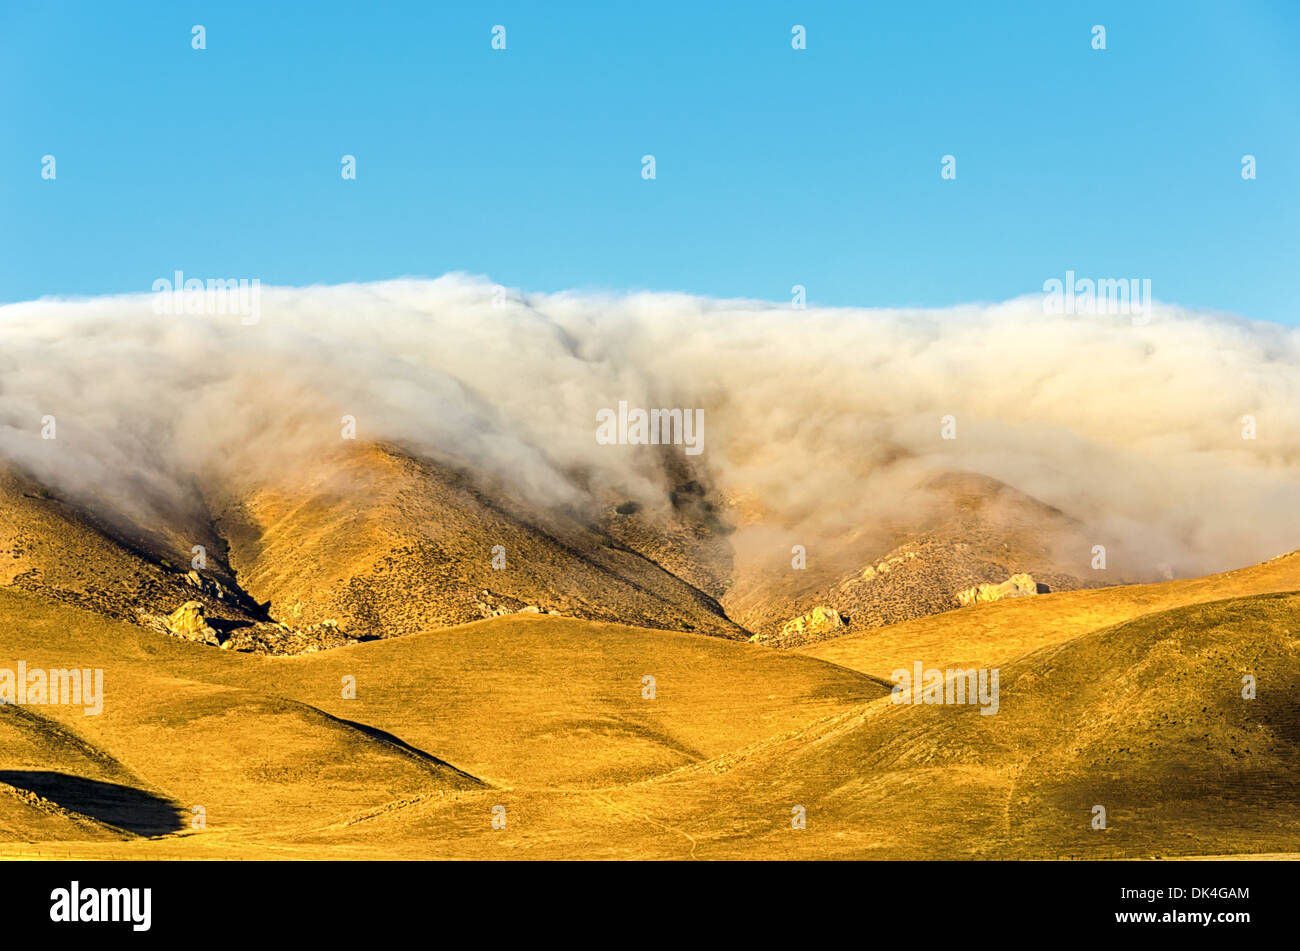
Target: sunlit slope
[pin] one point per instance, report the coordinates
(388, 544)
(545, 718)
(271, 749)
(255, 761)
(52, 547)
(1145, 719)
(529, 700)
(995, 633)
(176, 726)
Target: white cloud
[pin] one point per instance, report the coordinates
(828, 417)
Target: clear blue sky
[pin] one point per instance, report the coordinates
(775, 167)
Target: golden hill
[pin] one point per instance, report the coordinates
(1115, 698)
(388, 544)
(989, 634)
(1146, 719)
(271, 749)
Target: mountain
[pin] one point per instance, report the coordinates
(59, 549)
(386, 544)
(977, 530)
(372, 543)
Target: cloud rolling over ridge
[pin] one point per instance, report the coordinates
(829, 419)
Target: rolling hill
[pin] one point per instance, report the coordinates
(1128, 698)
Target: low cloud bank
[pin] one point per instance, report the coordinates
(825, 419)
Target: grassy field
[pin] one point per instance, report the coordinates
(1127, 698)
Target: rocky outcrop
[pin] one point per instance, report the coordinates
(488, 604)
(208, 586)
(1017, 586)
(275, 637)
(190, 622)
(820, 622)
(816, 621)
(883, 567)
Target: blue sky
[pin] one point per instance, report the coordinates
(774, 166)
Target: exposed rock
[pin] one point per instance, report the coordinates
(490, 604)
(275, 637)
(883, 568)
(206, 585)
(1017, 586)
(820, 618)
(818, 621)
(190, 622)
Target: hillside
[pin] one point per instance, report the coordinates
(56, 548)
(373, 543)
(546, 717)
(271, 749)
(973, 530)
(1145, 718)
(989, 634)
(388, 544)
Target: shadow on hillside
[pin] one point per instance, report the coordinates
(225, 627)
(384, 736)
(125, 807)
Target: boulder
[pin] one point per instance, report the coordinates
(1017, 586)
(190, 622)
(816, 621)
(206, 585)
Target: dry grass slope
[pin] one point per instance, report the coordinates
(546, 717)
(990, 634)
(387, 544)
(515, 706)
